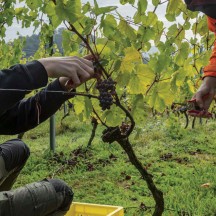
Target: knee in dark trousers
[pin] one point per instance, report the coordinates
(62, 188)
(15, 153)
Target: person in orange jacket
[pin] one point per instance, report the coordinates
(208, 86)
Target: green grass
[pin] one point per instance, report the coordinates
(180, 160)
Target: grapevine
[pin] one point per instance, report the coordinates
(167, 75)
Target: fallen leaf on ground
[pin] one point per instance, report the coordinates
(206, 185)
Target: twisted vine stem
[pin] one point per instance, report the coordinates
(122, 139)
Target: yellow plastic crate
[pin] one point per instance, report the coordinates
(86, 209)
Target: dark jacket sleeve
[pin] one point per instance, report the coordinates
(22, 114)
(208, 7)
(28, 113)
(23, 77)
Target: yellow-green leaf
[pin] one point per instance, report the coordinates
(132, 57)
(141, 79)
(161, 96)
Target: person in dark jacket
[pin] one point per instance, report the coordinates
(209, 79)
(19, 114)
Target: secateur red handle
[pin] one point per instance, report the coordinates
(69, 83)
(196, 111)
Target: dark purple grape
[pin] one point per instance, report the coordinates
(106, 90)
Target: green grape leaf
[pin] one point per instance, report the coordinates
(50, 8)
(69, 10)
(108, 25)
(82, 107)
(142, 6)
(105, 50)
(155, 2)
(187, 25)
(132, 57)
(159, 63)
(189, 69)
(123, 2)
(172, 6)
(173, 30)
(161, 96)
(18, 11)
(146, 33)
(160, 29)
(150, 19)
(102, 10)
(170, 17)
(88, 26)
(201, 26)
(138, 108)
(143, 76)
(86, 8)
(126, 29)
(191, 86)
(173, 9)
(67, 42)
(113, 116)
(203, 59)
(34, 4)
(182, 54)
(122, 80)
(178, 78)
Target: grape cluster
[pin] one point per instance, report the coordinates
(124, 128)
(107, 90)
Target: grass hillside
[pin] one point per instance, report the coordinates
(182, 162)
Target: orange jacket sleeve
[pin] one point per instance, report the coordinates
(210, 69)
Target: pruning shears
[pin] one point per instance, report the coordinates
(195, 111)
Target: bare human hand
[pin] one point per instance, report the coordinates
(76, 69)
(206, 93)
